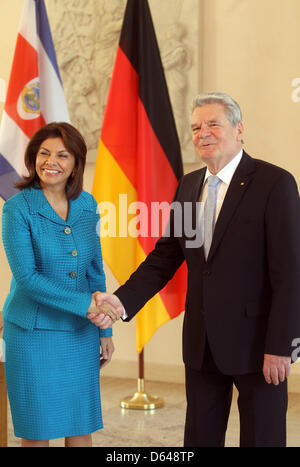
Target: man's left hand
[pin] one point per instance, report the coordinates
(276, 368)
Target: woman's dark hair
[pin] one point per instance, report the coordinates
(73, 142)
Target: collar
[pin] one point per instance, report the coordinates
(38, 203)
(226, 174)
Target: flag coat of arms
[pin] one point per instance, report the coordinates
(138, 163)
(34, 94)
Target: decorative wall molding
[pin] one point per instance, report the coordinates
(86, 35)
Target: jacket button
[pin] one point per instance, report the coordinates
(67, 230)
(74, 253)
(206, 272)
(73, 275)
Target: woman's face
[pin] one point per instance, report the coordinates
(54, 164)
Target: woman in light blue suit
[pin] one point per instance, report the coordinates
(53, 249)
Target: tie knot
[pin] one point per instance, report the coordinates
(213, 180)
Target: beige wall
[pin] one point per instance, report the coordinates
(250, 50)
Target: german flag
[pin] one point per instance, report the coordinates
(138, 164)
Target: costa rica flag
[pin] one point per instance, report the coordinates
(34, 96)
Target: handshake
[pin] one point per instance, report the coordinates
(104, 310)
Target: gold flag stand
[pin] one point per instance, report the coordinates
(141, 400)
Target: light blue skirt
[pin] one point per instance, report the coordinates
(53, 381)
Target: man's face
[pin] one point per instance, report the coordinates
(216, 141)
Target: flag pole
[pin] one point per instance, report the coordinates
(141, 400)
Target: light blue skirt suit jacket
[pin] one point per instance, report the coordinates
(52, 351)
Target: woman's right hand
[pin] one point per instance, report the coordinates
(93, 307)
(103, 321)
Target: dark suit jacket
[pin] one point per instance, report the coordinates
(246, 297)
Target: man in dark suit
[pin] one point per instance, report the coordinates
(243, 298)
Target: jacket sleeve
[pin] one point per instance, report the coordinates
(20, 254)
(282, 223)
(154, 272)
(95, 273)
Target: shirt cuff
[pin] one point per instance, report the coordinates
(105, 332)
(124, 315)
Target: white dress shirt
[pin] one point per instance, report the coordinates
(225, 175)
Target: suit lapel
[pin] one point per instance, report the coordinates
(193, 188)
(39, 203)
(236, 190)
(190, 197)
(76, 208)
(200, 185)
(194, 197)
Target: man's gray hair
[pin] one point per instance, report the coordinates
(231, 107)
